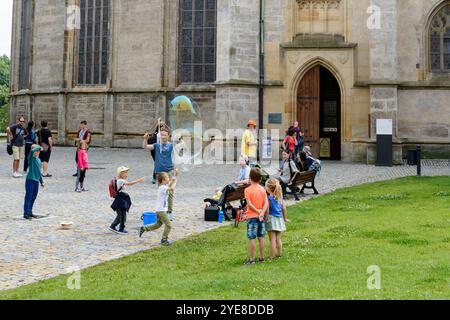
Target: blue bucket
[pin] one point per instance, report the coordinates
(149, 218)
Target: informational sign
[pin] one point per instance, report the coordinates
(384, 127)
(267, 148)
(275, 118)
(384, 142)
(325, 148)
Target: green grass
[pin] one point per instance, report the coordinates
(401, 226)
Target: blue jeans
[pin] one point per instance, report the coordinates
(255, 229)
(31, 192)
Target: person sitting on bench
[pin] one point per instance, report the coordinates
(301, 161)
(286, 172)
(242, 180)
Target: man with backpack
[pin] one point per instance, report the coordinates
(16, 136)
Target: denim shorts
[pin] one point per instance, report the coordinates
(255, 228)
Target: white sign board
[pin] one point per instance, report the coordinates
(267, 148)
(384, 127)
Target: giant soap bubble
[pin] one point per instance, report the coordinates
(183, 113)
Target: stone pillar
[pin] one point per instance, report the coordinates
(237, 62)
(108, 131)
(384, 69)
(62, 110)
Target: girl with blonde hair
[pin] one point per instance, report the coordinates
(276, 217)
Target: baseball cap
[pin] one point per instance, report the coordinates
(36, 149)
(122, 169)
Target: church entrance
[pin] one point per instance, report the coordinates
(319, 112)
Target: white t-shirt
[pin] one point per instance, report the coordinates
(121, 184)
(162, 202)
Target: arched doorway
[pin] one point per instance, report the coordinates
(319, 112)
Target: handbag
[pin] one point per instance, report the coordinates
(9, 146)
(9, 149)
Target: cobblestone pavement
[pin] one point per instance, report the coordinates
(39, 249)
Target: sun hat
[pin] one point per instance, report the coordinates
(307, 150)
(122, 169)
(251, 123)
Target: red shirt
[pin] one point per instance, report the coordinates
(291, 143)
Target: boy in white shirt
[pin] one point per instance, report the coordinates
(165, 187)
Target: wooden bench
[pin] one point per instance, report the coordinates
(237, 194)
(302, 179)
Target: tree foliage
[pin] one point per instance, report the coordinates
(4, 91)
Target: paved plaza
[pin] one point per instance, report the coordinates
(39, 249)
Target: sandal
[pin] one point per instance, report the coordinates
(250, 262)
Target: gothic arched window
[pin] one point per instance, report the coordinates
(197, 60)
(93, 45)
(26, 35)
(440, 41)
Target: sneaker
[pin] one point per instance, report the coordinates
(166, 243)
(113, 229)
(75, 175)
(123, 232)
(48, 175)
(141, 231)
(170, 215)
(154, 181)
(28, 218)
(78, 190)
(250, 262)
(16, 175)
(261, 260)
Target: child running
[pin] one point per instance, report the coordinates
(163, 161)
(122, 203)
(34, 177)
(166, 186)
(258, 204)
(276, 217)
(82, 166)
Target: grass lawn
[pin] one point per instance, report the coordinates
(402, 226)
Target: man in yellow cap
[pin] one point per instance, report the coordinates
(250, 142)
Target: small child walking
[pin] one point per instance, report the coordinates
(34, 178)
(122, 203)
(276, 217)
(166, 186)
(257, 202)
(82, 166)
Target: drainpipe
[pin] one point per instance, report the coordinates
(261, 63)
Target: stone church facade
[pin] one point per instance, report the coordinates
(336, 66)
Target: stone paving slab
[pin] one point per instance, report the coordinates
(35, 250)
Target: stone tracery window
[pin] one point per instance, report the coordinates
(197, 42)
(26, 35)
(93, 46)
(440, 41)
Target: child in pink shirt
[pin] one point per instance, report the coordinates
(82, 166)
